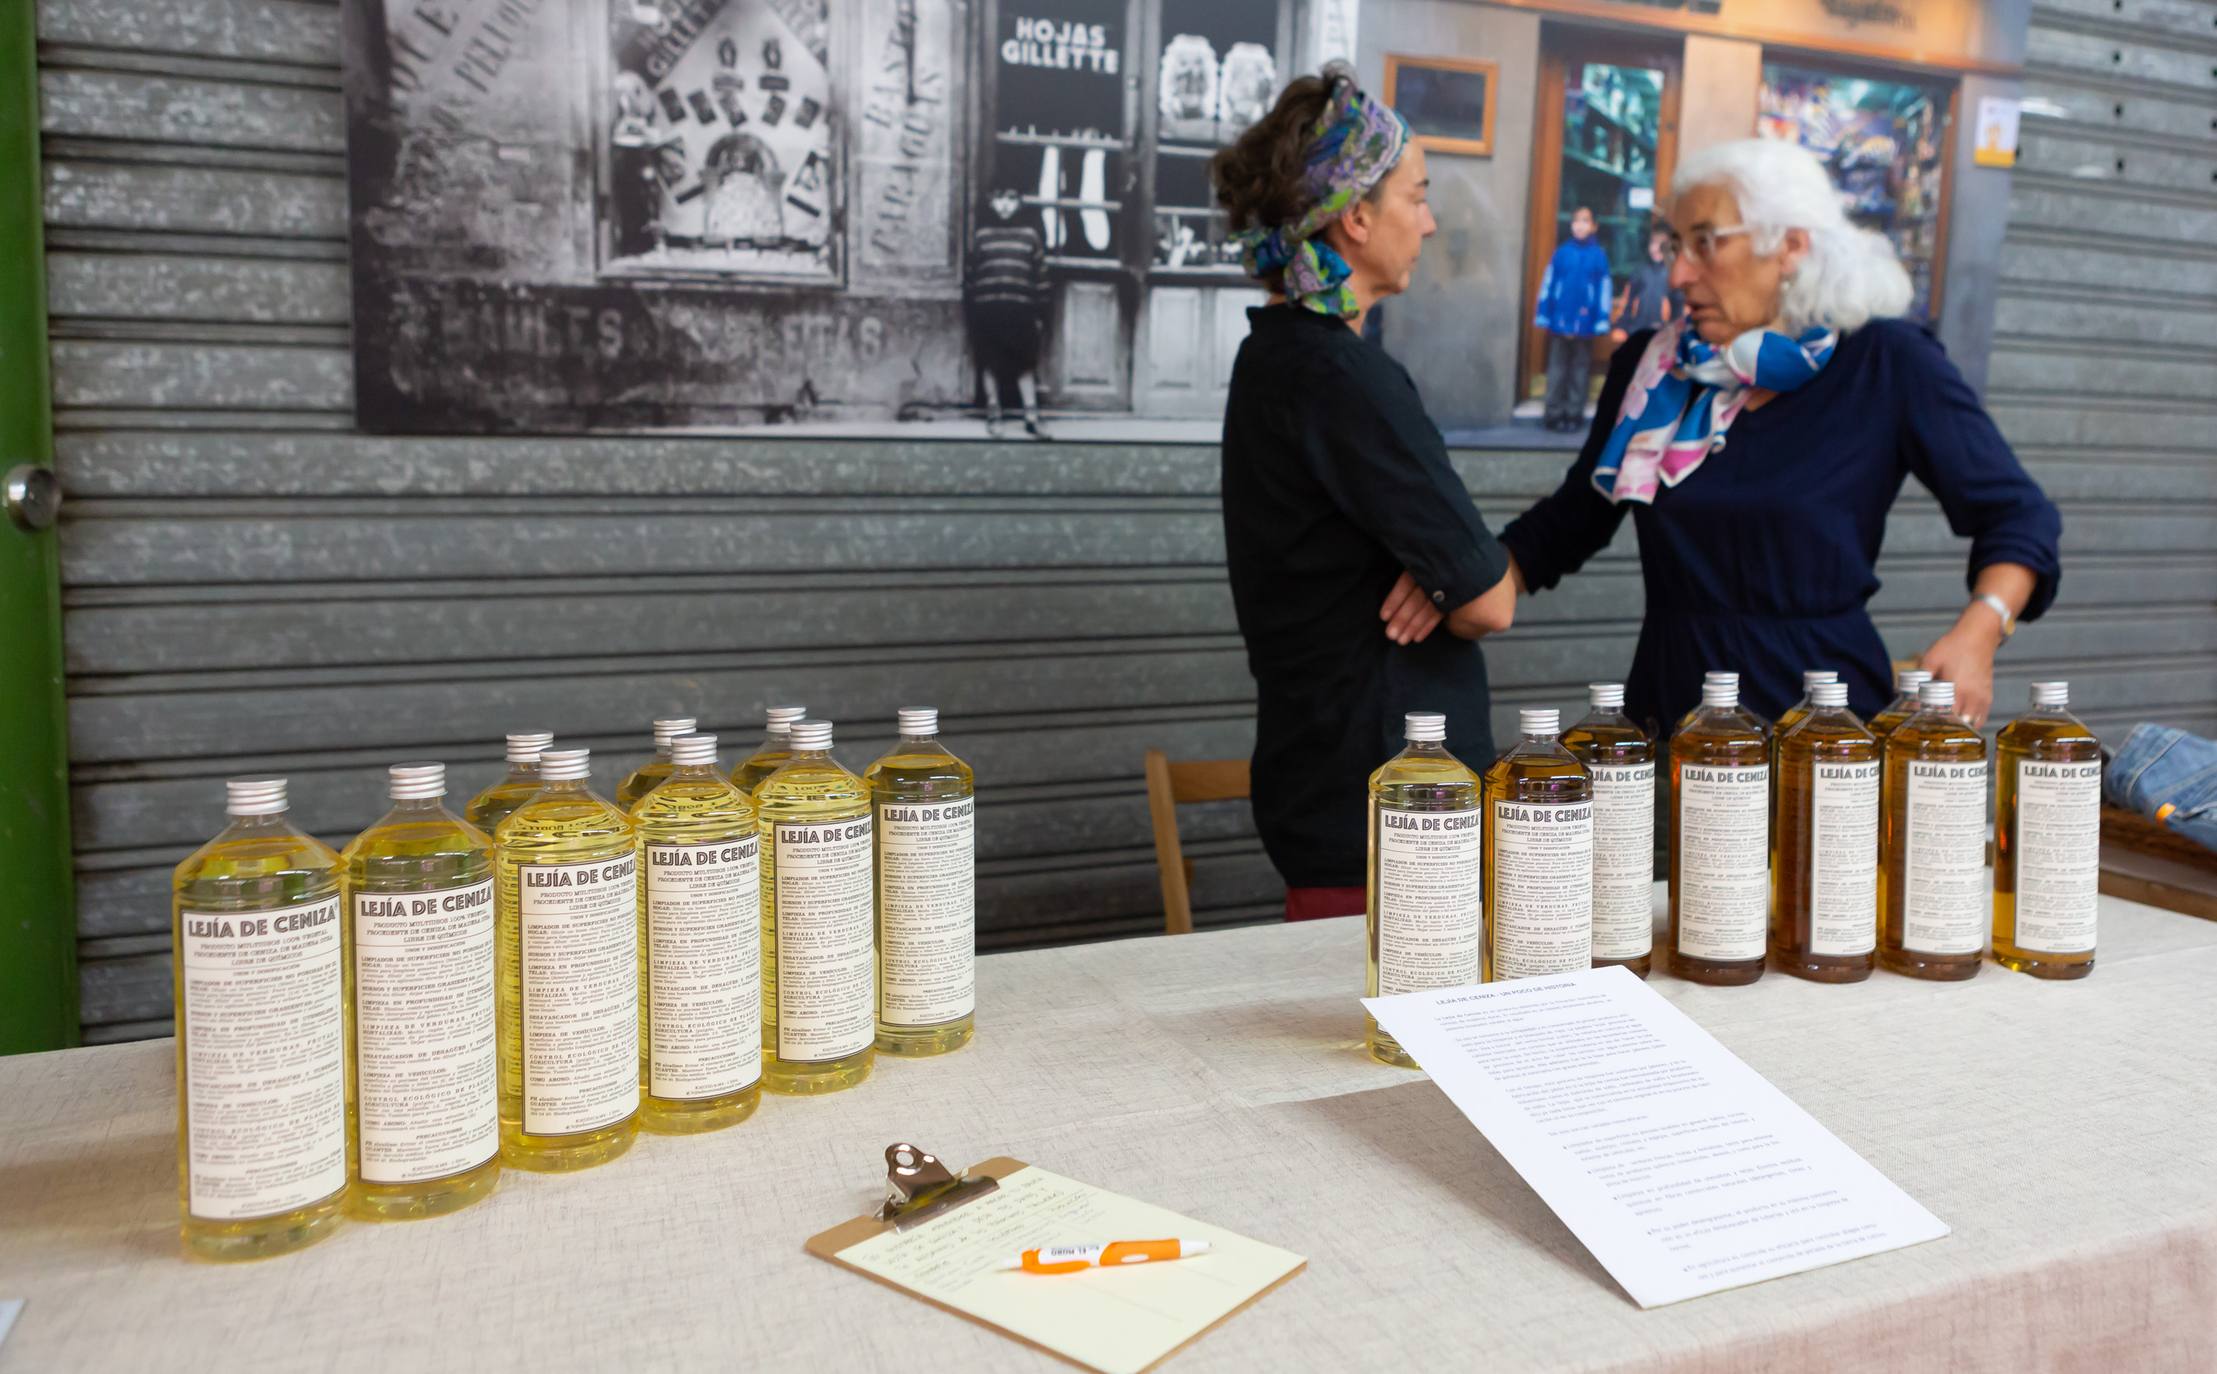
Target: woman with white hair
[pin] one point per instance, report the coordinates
(1760, 440)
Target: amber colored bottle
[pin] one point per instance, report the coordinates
(2047, 839)
(1720, 840)
(1622, 762)
(1538, 859)
(1824, 844)
(1907, 683)
(1932, 896)
(1707, 679)
(1796, 713)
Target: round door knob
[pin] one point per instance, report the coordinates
(34, 497)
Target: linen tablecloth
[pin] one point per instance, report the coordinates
(2066, 1131)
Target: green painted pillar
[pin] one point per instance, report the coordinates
(38, 922)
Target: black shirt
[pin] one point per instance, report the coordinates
(1335, 480)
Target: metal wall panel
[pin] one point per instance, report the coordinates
(250, 586)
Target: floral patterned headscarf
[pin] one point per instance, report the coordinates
(1356, 142)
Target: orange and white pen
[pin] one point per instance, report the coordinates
(1069, 1259)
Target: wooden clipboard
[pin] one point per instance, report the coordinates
(829, 1244)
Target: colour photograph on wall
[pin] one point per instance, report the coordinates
(1883, 143)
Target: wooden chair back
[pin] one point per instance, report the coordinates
(1170, 784)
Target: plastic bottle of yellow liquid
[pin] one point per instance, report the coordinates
(775, 749)
(419, 903)
(925, 803)
(492, 806)
(700, 899)
(819, 945)
(569, 974)
(260, 971)
(643, 779)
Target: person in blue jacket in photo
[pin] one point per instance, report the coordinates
(1574, 310)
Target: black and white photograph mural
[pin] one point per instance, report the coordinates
(574, 215)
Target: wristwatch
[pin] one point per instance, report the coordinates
(2001, 608)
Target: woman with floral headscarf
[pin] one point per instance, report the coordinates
(1337, 488)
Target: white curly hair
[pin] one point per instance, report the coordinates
(1850, 276)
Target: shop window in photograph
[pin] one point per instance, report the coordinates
(1612, 130)
(1448, 102)
(1217, 74)
(1060, 141)
(1884, 142)
(720, 154)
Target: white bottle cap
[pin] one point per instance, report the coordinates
(688, 751)
(778, 720)
(527, 748)
(1540, 720)
(566, 765)
(1810, 677)
(254, 796)
(1936, 695)
(1715, 676)
(1828, 694)
(1725, 694)
(416, 781)
(2051, 693)
(1910, 679)
(811, 735)
(1424, 727)
(670, 728)
(918, 720)
(1605, 696)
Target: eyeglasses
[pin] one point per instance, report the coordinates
(1702, 243)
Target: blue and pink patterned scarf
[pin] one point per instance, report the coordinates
(1685, 394)
(1357, 141)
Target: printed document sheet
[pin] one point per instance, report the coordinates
(1680, 1168)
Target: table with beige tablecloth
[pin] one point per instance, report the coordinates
(2066, 1131)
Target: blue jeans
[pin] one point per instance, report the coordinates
(2159, 767)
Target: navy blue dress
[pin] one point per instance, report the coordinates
(1763, 559)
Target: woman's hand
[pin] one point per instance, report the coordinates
(1965, 657)
(1408, 612)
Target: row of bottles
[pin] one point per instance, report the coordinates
(379, 1031)
(1821, 846)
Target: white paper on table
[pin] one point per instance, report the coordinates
(10, 1309)
(1680, 1168)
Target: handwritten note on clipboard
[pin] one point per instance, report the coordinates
(1119, 1321)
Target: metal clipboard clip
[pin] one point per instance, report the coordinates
(918, 1187)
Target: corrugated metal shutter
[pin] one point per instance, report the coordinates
(2104, 367)
(249, 586)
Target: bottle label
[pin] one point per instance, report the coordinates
(927, 892)
(1843, 858)
(1623, 860)
(580, 946)
(427, 1076)
(704, 967)
(826, 946)
(2058, 835)
(264, 1019)
(1944, 879)
(1723, 853)
(1542, 888)
(1430, 902)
